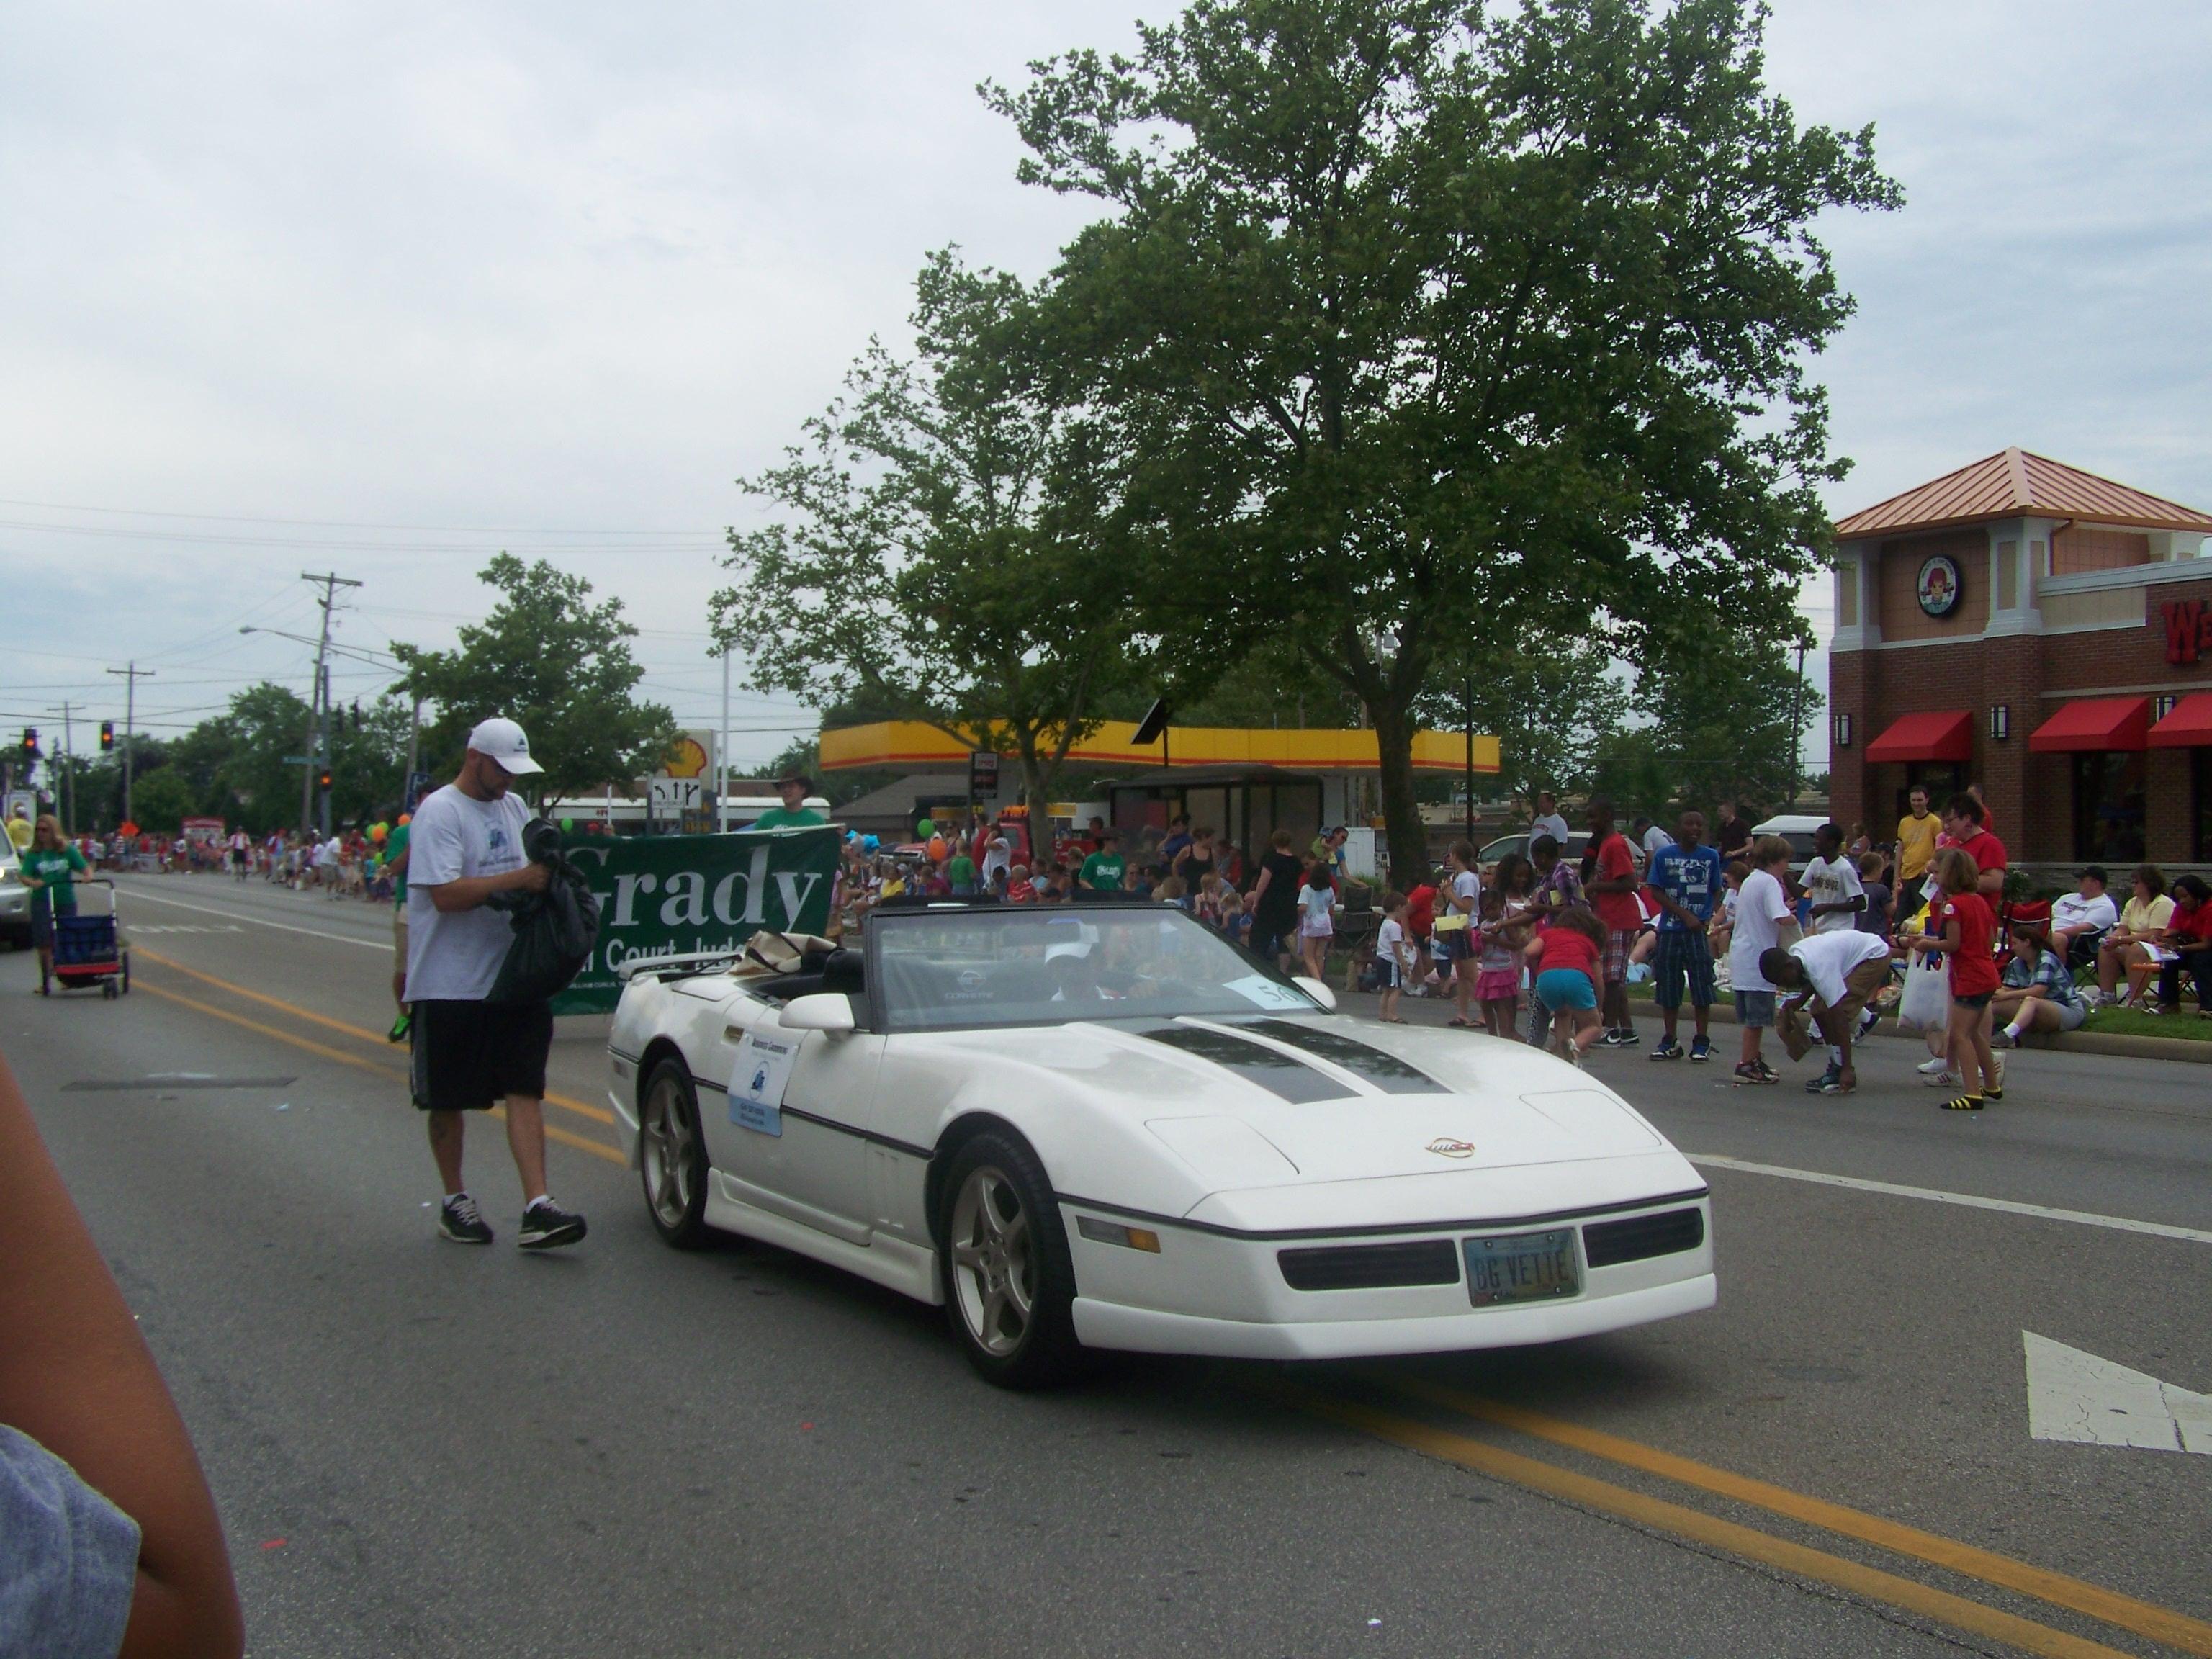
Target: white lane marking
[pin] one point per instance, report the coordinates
(1968, 1200)
(240, 916)
(183, 928)
(2072, 1396)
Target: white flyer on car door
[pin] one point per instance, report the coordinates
(758, 1078)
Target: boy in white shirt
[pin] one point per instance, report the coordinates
(1394, 956)
(1833, 882)
(1763, 916)
(1838, 974)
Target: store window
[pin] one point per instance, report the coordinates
(1941, 779)
(2108, 807)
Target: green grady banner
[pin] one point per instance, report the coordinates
(661, 894)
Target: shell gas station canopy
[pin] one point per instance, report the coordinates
(917, 744)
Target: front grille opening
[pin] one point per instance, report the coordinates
(1608, 1243)
(1372, 1266)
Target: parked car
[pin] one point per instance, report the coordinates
(1492, 851)
(15, 897)
(1797, 829)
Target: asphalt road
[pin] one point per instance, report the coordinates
(426, 1450)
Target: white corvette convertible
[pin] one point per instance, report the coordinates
(1104, 1128)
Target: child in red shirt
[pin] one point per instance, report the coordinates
(1564, 959)
(1962, 928)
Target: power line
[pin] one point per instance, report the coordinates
(341, 524)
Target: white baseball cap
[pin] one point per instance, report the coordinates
(503, 741)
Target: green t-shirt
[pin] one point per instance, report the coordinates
(395, 849)
(53, 866)
(961, 873)
(783, 817)
(1102, 872)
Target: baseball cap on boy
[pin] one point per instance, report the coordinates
(502, 741)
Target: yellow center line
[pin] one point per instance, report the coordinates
(553, 1132)
(596, 1114)
(2145, 1619)
(1659, 1515)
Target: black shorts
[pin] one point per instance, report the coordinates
(470, 1055)
(1980, 999)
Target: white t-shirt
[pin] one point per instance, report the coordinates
(1655, 838)
(1761, 909)
(2071, 910)
(997, 856)
(1550, 825)
(1828, 957)
(1832, 881)
(1390, 945)
(455, 956)
(1466, 894)
(1316, 902)
(326, 853)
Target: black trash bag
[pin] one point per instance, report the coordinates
(554, 931)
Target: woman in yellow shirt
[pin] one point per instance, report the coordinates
(2144, 921)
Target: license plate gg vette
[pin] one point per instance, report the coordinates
(1522, 1268)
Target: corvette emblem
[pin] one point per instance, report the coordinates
(1445, 1147)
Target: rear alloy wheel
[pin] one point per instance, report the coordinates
(1010, 1286)
(672, 1156)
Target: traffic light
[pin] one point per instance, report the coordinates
(106, 736)
(30, 743)
(323, 780)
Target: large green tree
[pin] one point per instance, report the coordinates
(944, 548)
(1420, 320)
(1551, 703)
(550, 658)
(1722, 721)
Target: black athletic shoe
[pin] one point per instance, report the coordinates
(1667, 1049)
(1619, 1038)
(458, 1220)
(547, 1226)
(1820, 1085)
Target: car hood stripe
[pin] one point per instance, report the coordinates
(1282, 1075)
(1385, 1070)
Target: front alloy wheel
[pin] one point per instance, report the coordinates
(1009, 1282)
(671, 1157)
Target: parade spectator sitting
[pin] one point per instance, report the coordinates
(2080, 920)
(1838, 972)
(2143, 922)
(1019, 889)
(2037, 994)
(2186, 945)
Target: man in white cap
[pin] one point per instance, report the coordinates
(471, 1053)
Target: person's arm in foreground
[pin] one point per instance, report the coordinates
(75, 1375)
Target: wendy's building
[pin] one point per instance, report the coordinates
(2040, 631)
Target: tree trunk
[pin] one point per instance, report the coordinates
(1407, 837)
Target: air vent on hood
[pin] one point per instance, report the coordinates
(1608, 1243)
(1370, 1267)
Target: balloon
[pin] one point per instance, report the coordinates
(406, 818)
(926, 828)
(567, 826)
(939, 852)
(870, 843)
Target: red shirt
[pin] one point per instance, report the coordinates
(1021, 892)
(1619, 911)
(1987, 852)
(1569, 948)
(2197, 924)
(1973, 968)
(1420, 910)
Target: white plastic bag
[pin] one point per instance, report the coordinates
(1926, 1003)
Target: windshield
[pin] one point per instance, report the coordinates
(956, 971)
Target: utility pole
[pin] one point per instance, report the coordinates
(132, 675)
(1796, 727)
(68, 766)
(721, 751)
(314, 753)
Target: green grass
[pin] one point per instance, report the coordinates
(2105, 1022)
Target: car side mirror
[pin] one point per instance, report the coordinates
(825, 1010)
(1315, 989)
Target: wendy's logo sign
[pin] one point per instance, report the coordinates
(2188, 629)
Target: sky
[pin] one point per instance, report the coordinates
(379, 290)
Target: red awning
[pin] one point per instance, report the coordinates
(2093, 724)
(2189, 726)
(1945, 734)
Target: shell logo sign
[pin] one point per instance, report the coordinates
(687, 758)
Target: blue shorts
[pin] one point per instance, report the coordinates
(1755, 1009)
(1565, 987)
(1683, 955)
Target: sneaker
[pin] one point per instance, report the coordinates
(1942, 1079)
(1836, 1086)
(1767, 1073)
(1867, 1022)
(2002, 1038)
(547, 1226)
(1700, 1050)
(459, 1220)
(1574, 1055)
(1821, 1084)
(1752, 1072)
(1934, 1066)
(1620, 1037)
(1964, 1103)
(2124, 996)
(1668, 1049)
(400, 1028)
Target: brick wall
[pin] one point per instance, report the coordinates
(2030, 794)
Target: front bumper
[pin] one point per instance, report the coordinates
(1215, 1293)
